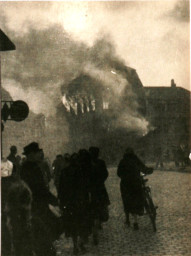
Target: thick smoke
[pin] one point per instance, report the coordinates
(45, 64)
(42, 60)
(181, 11)
(103, 75)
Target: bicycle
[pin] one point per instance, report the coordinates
(149, 206)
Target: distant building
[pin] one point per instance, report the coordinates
(168, 111)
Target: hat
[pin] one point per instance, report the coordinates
(32, 147)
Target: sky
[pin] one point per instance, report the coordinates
(53, 39)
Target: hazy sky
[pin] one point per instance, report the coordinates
(150, 36)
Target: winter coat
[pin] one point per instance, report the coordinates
(32, 174)
(131, 189)
(99, 195)
(74, 200)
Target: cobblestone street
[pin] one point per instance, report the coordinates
(171, 192)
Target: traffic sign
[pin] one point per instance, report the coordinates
(19, 110)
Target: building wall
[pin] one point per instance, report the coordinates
(168, 111)
(22, 133)
(95, 127)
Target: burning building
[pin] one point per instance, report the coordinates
(105, 109)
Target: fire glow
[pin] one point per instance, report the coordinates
(78, 104)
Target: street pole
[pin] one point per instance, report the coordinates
(5, 45)
(1, 119)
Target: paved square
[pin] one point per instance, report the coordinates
(171, 191)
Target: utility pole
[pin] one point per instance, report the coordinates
(5, 45)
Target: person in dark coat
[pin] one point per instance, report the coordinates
(99, 195)
(32, 174)
(27, 234)
(58, 165)
(12, 156)
(18, 219)
(159, 157)
(14, 159)
(44, 166)
(74, 203)
(129, 170)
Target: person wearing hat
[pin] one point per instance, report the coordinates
(32, 174)
(129, 170)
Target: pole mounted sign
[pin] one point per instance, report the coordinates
(10, 110)
(14, 110)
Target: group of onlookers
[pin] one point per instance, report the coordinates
(179, 155)
(33, 217)
(29, 227)
(81, 197)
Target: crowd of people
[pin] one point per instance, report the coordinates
(30, 226)
(178, 154)
(33, 217)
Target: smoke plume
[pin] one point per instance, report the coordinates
(46, 63)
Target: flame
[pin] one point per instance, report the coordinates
(73, 104)
(93, 104)
(105, 105)
(65, 102)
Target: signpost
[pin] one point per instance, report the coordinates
(14, 111)
(17, 111)
(5, 45)
(10, 110)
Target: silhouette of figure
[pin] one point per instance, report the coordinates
(129, 170)
(99, 195)
(32, 174)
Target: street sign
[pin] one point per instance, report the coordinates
(19, 110)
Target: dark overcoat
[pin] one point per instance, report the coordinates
(73, 195)
(99, 196)
(129, 170)
(32, 174)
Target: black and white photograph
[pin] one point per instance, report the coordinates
(95, 128)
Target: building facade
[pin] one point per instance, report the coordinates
(93, 114)
(168, 112)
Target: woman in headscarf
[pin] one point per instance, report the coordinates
(129, 170)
